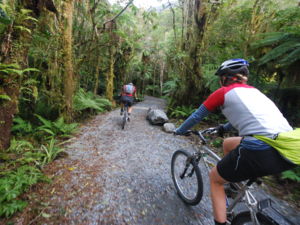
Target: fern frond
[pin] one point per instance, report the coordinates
(292, 57)
(279, 51)
(45, 122)
(5, 97)
(270, 39)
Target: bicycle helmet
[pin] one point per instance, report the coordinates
(232, 67)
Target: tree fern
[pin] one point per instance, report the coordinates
(87, 100)
(269, 39)
(21, 126)
(56, 128)
(280, 51)
(292, 57)
(287, 50)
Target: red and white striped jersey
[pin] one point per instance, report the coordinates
(248, 110)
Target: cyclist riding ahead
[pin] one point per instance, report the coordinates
(128, 93)
(251, 113)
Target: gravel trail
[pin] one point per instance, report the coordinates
(114, 176)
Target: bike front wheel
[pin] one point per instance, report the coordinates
(244, 218)
(187, 177)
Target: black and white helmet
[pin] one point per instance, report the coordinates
(232, 67)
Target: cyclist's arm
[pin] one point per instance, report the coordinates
(135, 95)
(195, 118)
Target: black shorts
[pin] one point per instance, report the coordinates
(242, 164)
(127, 100)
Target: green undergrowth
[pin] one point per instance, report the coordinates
(36, 142)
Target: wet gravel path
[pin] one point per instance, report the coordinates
(114, 176)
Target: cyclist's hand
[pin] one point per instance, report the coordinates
(174, 132)
(220, 130)
(187, 133)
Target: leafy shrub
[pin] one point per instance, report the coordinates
(50, 151)
(22, 127)
(292, 174)
(182, 111)
(56, 128)
(13, 184)
(170, 86)
(87, 100)
(217, 142)
(210, 80)
(20, 146)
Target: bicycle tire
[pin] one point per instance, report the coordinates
(244, 218)
(197, 185)
(124, 121)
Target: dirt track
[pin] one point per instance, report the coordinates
(114, 176)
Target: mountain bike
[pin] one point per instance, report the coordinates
(125, 117)
(187, 178)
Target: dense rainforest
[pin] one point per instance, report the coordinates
(62, 61)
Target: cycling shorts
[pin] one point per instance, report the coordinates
(127, 100)
(242, 164)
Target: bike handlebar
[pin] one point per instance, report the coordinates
(201, 133)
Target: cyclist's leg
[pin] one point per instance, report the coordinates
(129, 110)
(218, 197)
(242, 164)
(230, 143)
(130, 103)
(122, 105)
(122, 108)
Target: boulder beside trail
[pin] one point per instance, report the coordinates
(157, 116)
(169, 127)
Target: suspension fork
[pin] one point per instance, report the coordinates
(194, 157)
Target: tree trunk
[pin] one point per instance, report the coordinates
(257, 24)
(192, 87)
(14, 49)
(110, 75)
(97, 75)
(67, 57)
(161, 77)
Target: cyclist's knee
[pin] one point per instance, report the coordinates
(230, 143)
(215, 177)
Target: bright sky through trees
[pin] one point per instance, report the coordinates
(143, 3)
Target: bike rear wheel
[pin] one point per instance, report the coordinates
(244, 218)
(187, 177)
(125, 117)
